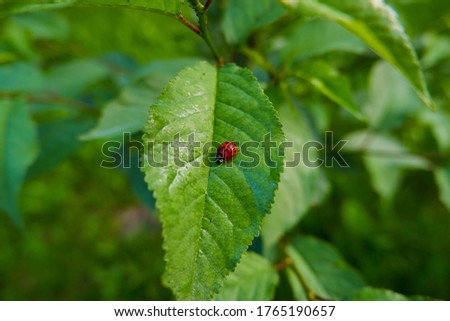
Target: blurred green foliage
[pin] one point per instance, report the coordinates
(92, 233)
(86, 236)
(84, 239)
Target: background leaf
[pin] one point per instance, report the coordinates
(170, 7)
(244, 17)
(322, 270)
(297, 288)
(20, 6)
(253, 280)
(374, 294)
(437, 50)
(43, 25)
(389, 102)
(18, 149)
(442, 177)
(83, 73)
(378, 26)
(136, 180)
(20, 77)
(210, 213)
(385, 158)
(58, 139)
(438, 124)
(330, 82)
(317, 37)
(300, 188)
(128, 112)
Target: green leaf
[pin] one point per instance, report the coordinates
(253, 280)
(136, 180)
(128, 112)
(143, 36)
(374, 294)
(385, 158)
(18, 149)
(8, 7)
(300, 186)
(438, 124)
(296, 286)
(329, 82)
(20, 77)
(20, 42)
(322, 270)
(210, 212)
(421, 16)
(43, 25)
(241, 18)
(72, 78)
(442, 177)
(378, 26)
(58, 140)
(390, 102)
(437, 50)
(169, 7)
(317, 37)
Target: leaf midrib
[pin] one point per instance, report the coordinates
(29, 7)
(201, 227)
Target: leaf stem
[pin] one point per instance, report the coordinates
(207, 4)
(287, 96)
(261, 61)
(189, 24)
(312, 296)
(200, 11)
(284, 263)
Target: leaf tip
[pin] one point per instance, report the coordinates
(429, 102)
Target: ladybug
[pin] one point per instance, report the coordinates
(225, 152)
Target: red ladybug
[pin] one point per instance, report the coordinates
(225, 152)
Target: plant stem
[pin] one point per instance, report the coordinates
(189, 24)
(261, 61)
(203, 20)
(284, 263)
(287, 96)
(200, 11)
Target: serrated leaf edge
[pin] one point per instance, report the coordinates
(249, 242)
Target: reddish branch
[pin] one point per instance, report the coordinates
(281, 265)
(207, 4)
(189, 24)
